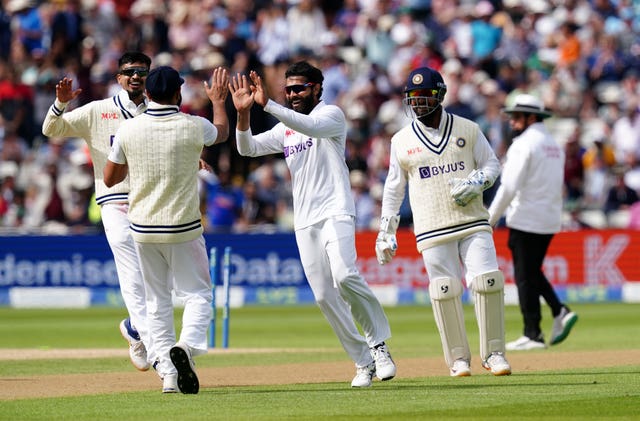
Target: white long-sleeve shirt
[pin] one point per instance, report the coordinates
(531, 183)
(96, 123)
(314, 150)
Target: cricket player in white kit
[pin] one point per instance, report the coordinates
(161, 152)
(96, 123)
(448, 162)
(312, 136)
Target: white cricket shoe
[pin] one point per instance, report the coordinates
(385, 367)
(137, 350)
(364, 375)
(170, 383)
(497, 364)
(181, 358)
(562, 325)
(524, 343)
(460, 368)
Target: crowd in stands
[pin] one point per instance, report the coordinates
(582, 57)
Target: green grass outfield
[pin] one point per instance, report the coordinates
(595, 392)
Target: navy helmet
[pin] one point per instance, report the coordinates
(424, 91)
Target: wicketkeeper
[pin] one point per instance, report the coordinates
(448, 162)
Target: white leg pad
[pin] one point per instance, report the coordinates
(445, 294)
(488, 295)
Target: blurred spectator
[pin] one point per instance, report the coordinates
(581, 57)
(365, 205)
(607, 62)
(620, 196)
(16, 104)
(28, 26)
(67, 31)
(272, 34)
(267, 183)
(336, 77)
(373, 35)
(486, 38)
(568, 45)
(257, 215)
(346, 19)
(459, 44)
(307, 25)
(151, 29)
(573, 168)
(597, 161)
(625, 133)
(223, 203)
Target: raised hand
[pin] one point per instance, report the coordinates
(219, 88)
(260, 91)
(241, 92)
(65, 92)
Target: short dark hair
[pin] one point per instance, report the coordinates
(303, 68)
(134, 57)
(306, 70)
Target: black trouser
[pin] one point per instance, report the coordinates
(528, 251)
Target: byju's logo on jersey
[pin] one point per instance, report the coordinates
(300, 147)
(436, 170)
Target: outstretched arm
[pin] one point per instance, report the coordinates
(217, 93)
(243, 98)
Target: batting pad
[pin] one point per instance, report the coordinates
(445, 294)
(488, 294)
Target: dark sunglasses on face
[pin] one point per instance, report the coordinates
(297, 88)
(140, 71)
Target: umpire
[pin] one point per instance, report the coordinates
(531, 194)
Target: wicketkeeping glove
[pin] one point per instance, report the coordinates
(464, 190)
(386, 244)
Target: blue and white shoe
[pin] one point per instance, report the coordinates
(170, 383)
(137, 350)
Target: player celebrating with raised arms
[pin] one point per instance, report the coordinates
(97, 122)
(312, 136)
(447, 162)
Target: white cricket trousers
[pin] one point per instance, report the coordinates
(116, 227)
(184, 269)
(477, 252)
(328, 255)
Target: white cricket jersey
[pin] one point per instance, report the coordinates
(96, 123)
(314, 149)
(531, 183)
(428, 159)
(162, 149)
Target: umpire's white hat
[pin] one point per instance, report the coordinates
(527, 104)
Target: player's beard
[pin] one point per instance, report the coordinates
(135, 93)
(305, 105)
